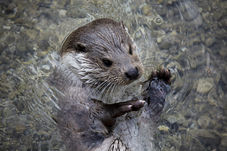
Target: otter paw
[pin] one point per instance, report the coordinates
(157, 90)
(120, 109)
(162, 74)
(108, 113)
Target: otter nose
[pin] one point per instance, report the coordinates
(132, 73)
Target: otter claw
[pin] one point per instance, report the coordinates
(130, 106)
(138, 104)
(125, 107)
(142, 101)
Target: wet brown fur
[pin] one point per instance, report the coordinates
(84, 122)
(105, 39)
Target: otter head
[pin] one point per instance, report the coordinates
(102, 53)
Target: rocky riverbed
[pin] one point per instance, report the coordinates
(186, 36)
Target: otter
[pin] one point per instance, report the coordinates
(97, 59)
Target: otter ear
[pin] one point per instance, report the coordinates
(81, 47)
(123, 26)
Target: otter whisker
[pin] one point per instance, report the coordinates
(113, 89)
(109, 88)
(104, 88)
(101, 86)
(94, 85)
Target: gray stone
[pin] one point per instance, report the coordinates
(146, 10)
(223, 144)
(204, 121)
(209, 41)
(213, 97)
(205, 85)
(206, 137)
(165, 44)
(223, 52)
(46, 67)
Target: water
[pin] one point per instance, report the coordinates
(188, 37)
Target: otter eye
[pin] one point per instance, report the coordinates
(107, 62)
(130, 49)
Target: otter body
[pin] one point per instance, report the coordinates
(97, 60)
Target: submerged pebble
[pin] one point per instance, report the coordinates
(205, 85)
